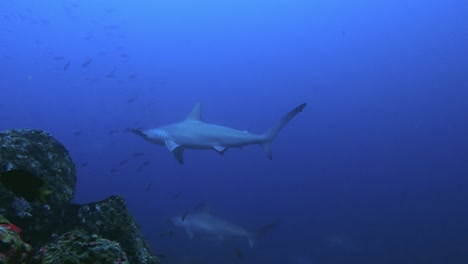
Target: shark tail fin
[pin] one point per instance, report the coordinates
(261, 232)
(271, 134)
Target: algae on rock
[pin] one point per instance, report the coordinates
(78, 246)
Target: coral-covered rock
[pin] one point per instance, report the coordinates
(78, 246)
(111, 219)
(39, 153)
(101, 232)
(12, 248)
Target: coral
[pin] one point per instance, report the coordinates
(12, 248)
(78, 246)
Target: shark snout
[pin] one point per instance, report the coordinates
(138, 132)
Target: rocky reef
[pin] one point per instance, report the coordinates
(12, 248)
(78, 246)
(39, 153)
(111, 219)
(50, 229)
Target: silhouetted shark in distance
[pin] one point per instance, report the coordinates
(194, 133)
(209, 226)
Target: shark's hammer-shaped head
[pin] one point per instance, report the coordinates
(178, 221)
(156, 136)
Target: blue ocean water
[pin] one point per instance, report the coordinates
(373, 171)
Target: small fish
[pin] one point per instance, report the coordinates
(88, 37)
(123, 162)
(200, 205)
(132, 76)
(84, 164)
(86, 63)
(161, 256)
(177, 196)
(113, 170)
(239, 253)
(138, 154)
(113, 131)
(111, 74)
(133, 99)
(184, 216)
(143, 165)
(25, 184)
(94, 79)
(59, 58)
(77, 133)
(166, 234)
(111, 26)
(68, 11)
(65, 67)
(148, 187)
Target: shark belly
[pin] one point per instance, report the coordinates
(208, 136)
(208, 225)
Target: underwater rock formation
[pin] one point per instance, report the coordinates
(37, 185)
(111, 219)
(38, 153)
(12, 248)
(78, 246)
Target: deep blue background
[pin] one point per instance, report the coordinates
(373, 171)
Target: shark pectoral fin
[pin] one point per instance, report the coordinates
(251, 242)
(220, 149)
(190, 233)
(179, 154)
(267, 148)
(171, 145)
(176, 149)
(262, 232)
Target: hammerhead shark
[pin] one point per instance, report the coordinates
(208, 226)
(195, 133)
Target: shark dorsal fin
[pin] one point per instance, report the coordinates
(195, 115)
